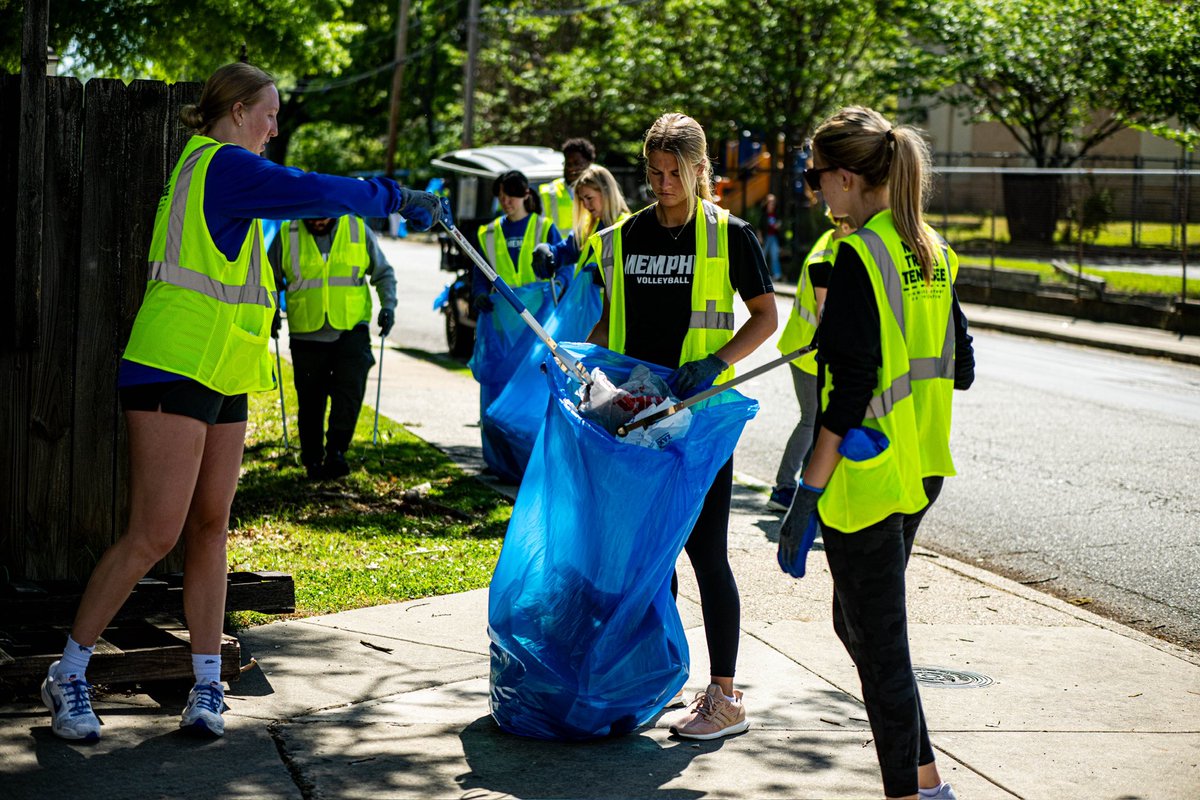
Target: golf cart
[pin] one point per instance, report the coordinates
(469, 175)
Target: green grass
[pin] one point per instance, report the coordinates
(1119, 281)
(406, 523)
(1119, 233)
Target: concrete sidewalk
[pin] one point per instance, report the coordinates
(1026, 696)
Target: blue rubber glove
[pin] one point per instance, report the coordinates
(799, 530)
(482, 302)
(387, 318)
(543, 261)
(421, 210)
(695, 376)
(862, 444)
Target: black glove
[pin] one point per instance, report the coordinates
(421, 210)
(387, 318)
(276, 324)
(482, 302)
(695, 376)
(543, 261)
(798, 530)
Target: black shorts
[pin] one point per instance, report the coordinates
(186, 398)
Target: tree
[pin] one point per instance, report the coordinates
(1061, 76)
(187, 39)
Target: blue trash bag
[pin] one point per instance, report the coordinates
(512, 421)
(586, 640)
(502, 339)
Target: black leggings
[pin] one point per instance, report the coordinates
(707, 549)
(336, 371)
(870, 617)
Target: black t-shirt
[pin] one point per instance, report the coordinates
(658, 281)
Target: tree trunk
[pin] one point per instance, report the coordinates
(1031, 204)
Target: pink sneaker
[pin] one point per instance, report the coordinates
(711, 716)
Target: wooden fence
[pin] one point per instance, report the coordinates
(73, 283)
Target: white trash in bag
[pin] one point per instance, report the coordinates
(643, 394)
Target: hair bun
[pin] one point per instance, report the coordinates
(191, 116)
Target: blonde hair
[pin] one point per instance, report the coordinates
(683, 137)
(860, 140)
(238, 82)
(612, 201)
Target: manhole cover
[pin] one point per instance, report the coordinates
(955, 678)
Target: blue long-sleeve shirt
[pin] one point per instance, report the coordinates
(241, 187)
(514, 237)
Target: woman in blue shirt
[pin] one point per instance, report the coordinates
(185, 436)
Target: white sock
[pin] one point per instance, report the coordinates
(728, 698)
(75, 659)
(207, 669)
(931, 792)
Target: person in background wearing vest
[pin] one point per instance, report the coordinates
(509, 240)
(798, 332)
(599, 204)
(670, 273)
(198, 345)
(894, 346)
(323, 266)
(558, 195)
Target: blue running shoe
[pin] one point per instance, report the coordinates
(202, 714)
(70, 702)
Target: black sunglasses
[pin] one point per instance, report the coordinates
(813, 177)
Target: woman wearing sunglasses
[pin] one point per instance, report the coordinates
(894, 345)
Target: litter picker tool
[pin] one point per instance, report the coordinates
(378, 390)
(287, 445)
(658, 416)
(566, 361)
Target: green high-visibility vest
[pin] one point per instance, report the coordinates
(495, 249)
(588, 256)
(710, 326)
(318, 289)
(802, 322)
(557, 204)
(203, 316)
(912, 396)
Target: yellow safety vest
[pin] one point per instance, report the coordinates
(557, 204)
(710, 326)
(911, 400)
(588, 255)
(317, 288)
(802, 322)
(495, 249)
(202, 316)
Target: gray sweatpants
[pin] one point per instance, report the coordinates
(802, 435)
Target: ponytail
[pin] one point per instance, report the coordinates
(862, 141)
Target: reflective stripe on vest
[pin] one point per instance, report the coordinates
(196, 320)
(169, 270)
(711, 322)
(557, 205)
(803, 320)
(315, 296)
(495, 249)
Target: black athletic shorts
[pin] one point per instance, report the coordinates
(187, 398)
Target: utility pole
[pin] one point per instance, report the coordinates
(468, 138)
(397, 84)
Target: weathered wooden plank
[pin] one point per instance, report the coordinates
(47, 533)
(97, 353)
(29, 176)
(13, 363)
(131, 653)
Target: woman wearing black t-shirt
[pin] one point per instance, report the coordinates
(670, 272)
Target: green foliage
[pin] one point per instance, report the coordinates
(371, 538)
(1064, 75)
(180, 40)
(336, 149)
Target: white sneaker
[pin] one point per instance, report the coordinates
(70, 704)
(944, 793)
(203, 712)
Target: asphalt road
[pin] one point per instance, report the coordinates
(1079, 469)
